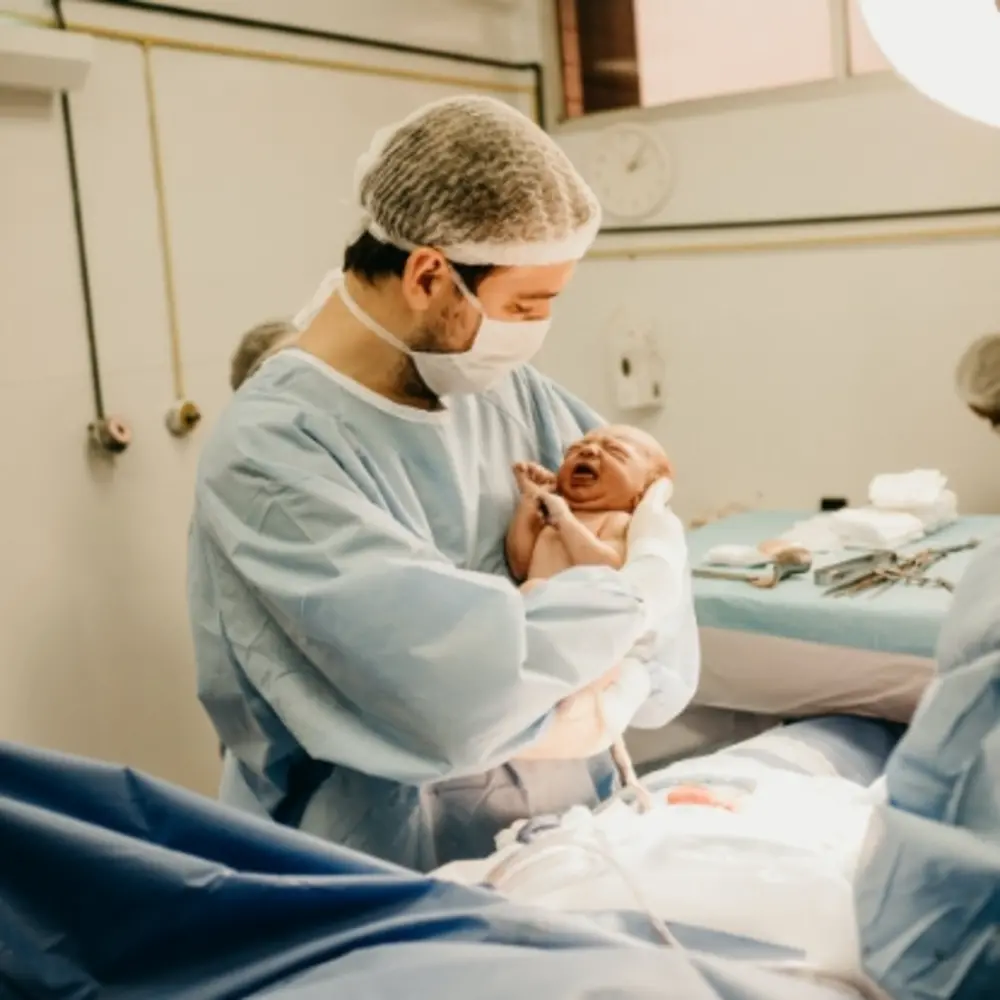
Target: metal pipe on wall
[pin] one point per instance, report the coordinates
(108, 434)
(184, 415)
(111, 434)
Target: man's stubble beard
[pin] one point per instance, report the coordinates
(409, 381)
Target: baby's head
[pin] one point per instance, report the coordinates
(256, 346)
(611, 468)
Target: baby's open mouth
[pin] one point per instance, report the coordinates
(584, 473)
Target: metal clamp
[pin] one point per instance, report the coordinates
(851, 570)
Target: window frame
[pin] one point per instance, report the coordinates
(842, 79)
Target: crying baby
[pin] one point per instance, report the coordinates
(579, 516)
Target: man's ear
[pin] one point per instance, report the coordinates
(426, 277)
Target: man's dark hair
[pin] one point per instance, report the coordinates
(372, 260)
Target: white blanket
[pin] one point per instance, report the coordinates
(778, 868)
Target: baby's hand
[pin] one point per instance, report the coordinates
(531, 474)
(554, 508)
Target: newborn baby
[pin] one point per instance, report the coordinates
(580, 517)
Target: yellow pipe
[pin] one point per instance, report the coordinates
(166, 247)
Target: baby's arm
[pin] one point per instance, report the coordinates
(583, 546)
(526, 526)
(522, 536)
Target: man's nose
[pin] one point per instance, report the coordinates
(590, 450)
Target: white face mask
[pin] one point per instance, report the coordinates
(500, 347)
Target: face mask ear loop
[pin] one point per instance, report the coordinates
(467, 295)
(365, 320)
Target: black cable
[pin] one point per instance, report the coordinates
(301, 31)
(816, 220)
(81, 241)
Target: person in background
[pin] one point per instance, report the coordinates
(255, 346)
(978, 379)
(362, 651)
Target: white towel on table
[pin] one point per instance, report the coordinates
(921, 493)
(937, 515)
(904, 490)
(868, 528)
(817, 534)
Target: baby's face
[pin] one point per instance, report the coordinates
(611, 468)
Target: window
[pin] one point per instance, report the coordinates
(598, 42)
(643, 53)
(705, 48)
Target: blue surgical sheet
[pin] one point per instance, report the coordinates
(118, 887)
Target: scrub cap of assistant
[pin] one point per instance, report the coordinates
(978, 377)
(477, 180)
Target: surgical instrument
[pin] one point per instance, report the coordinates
(787, 563)
(884, 573)
(853, 569)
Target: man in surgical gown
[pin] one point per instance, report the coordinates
(375, 676)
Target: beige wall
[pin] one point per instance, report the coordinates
(800, 372)
(791, 372)
(95, 655)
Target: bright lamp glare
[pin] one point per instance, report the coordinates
(947, 49)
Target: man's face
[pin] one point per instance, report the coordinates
(509, 294)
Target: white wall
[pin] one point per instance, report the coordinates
(801, 371)
(257, 156)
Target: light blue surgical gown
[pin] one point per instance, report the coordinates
(929, 894)
(360, 647)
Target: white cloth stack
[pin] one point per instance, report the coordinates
(868, 528)
(922, 494)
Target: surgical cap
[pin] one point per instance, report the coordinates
(480, 182)
(978, 376)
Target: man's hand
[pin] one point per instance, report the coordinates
(531, 477)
